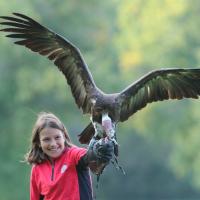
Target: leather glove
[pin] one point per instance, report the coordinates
(103, 149)
(99, 154)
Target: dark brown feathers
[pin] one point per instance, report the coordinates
(156, 86)
(86, 134)
(65, 55)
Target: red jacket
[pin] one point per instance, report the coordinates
(63, 179)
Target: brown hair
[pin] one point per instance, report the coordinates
(44, 120)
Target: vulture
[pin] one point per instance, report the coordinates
(105, 110)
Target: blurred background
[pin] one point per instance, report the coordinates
(120, 41)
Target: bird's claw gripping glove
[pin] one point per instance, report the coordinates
(99, 154)
(102, 150)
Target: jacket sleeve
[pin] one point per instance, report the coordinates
(75, 154)
(34, 191)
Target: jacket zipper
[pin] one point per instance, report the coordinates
(52, 170)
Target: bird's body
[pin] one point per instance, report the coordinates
(155, 86)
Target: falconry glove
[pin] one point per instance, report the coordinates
(98, 155)
(101, 151)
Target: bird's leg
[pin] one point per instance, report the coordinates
(113, 134)
(98, 128)
(98, 132)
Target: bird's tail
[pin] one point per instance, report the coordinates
(87, 134)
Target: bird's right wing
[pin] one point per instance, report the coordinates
(159, 85)
(65, 55)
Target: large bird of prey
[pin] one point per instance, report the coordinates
(106, 110)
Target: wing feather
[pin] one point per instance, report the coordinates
(159, 85)
(65, 55)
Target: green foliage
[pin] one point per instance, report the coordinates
(120, 41)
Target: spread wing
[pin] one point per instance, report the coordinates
(65, 55)
(158, 86)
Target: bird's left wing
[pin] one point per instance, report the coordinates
(65, 55)
(159, 85)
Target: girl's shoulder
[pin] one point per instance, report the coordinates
(35, 168)
(40, 166)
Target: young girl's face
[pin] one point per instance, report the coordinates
(52, 142)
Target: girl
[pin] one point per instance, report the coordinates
(60, 169)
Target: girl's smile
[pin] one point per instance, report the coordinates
(52, 142)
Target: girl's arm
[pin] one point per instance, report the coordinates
(34, 192)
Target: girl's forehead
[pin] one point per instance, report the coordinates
(49, 132)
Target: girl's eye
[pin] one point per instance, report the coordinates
(57, 137)
(46, 139)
